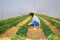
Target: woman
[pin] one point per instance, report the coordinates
(35, 21)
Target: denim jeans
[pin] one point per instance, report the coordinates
(35, 24)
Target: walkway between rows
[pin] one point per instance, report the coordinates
(52, 27)
(35, 34)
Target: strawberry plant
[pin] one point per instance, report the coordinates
(50, 17)
(51, 21)
(4, 22)
(45, 28)
(23, 29)
(22, 32)
(47, 31)
(53, 37)
(3, 28)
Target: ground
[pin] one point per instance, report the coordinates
(31, 34)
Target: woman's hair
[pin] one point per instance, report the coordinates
(31, 14)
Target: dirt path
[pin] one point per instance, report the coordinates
(52, 27)
(56, 21)
(12, 31)
(35, 34)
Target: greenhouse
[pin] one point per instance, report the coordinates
(29, 19)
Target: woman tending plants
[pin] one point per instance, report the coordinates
(35, 21)
(22, 32)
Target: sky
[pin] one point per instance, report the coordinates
(12, 8)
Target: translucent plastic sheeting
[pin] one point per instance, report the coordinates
(11, 8)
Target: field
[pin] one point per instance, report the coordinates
(17, 28)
